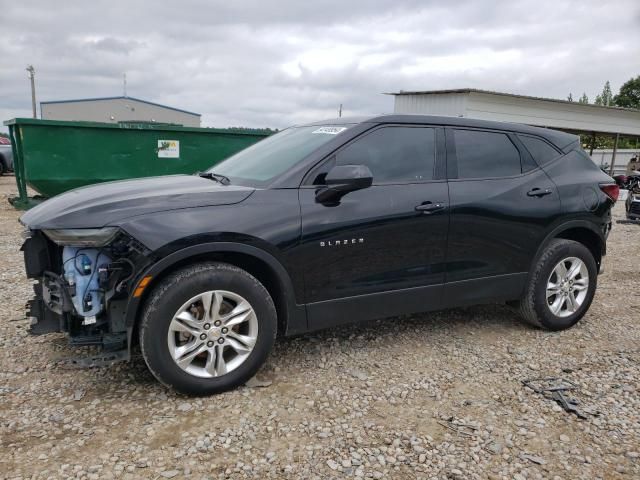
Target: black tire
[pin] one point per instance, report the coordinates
(167, 298)
(3, 169)
(533, 307)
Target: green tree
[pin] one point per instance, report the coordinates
(606, 97)
(570, 97)
(5, 135)
(267, 130)
(583, 98)
(589, 142)
(629, 95)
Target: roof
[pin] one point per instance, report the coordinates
(489, 92)
(119, 98)
(558, 138)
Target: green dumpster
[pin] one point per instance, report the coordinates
(55, 156)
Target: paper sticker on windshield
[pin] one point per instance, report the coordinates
(330, 130)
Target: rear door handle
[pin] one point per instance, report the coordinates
(429, 207)
(539, 192)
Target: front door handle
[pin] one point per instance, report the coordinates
(429, 207)
(539, 192)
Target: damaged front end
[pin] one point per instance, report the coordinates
(84, 279)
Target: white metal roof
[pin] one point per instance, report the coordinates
(507, 107)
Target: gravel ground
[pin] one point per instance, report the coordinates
(428, 396)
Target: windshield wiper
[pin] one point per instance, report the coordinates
(215, 176)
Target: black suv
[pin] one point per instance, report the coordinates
(320, 225)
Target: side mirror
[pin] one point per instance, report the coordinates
(343, 179)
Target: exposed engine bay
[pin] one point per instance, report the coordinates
(86, 272)
(82, 290)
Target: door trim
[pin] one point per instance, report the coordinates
(329, 313)
(497, 288)
(392, 303)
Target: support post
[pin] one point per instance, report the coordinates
(593, 142)
(613, 157)
(32, 75)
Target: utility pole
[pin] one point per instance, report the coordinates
(124, 85)
(32, 76)
(340, 111)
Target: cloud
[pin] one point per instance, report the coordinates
(257, 63)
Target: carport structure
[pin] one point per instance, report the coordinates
(574, 117)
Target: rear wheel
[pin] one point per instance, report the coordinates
(207, 328)
(561, 288)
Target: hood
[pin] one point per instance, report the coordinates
(109, 203)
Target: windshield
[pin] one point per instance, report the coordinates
(274, 155)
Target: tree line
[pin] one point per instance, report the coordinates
(627, 97)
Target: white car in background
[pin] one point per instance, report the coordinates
(6, 156)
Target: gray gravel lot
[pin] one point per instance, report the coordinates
(435, 395)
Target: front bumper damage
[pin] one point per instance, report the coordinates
(57, 297)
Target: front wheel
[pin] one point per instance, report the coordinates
(207, 328)
(561, 287)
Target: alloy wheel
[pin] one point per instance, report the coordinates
(212, 334)
(567, 287)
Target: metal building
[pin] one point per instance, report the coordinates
(506, 107)
(117, 109)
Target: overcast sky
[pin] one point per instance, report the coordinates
(272, 64)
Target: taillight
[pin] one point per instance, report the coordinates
(612, 190)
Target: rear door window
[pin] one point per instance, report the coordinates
(485, 154)
(540, 150)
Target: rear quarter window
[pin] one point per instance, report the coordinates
(540, 150)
